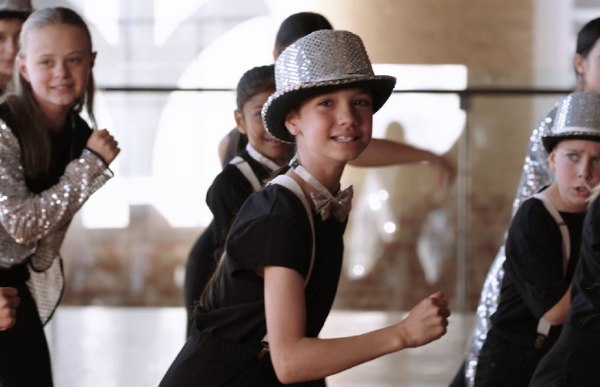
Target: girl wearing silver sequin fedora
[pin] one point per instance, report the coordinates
(258, 321)
(51, 163)
(542, 250)
(574, 360)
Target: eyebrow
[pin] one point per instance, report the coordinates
(70, 53)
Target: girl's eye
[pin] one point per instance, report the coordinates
(597, 159)
(74, 60)
(326, 102)
(363, 102)
(45, 62)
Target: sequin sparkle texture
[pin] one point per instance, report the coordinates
(34, 225)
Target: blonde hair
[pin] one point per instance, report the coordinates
(594, 195)
(28, 120)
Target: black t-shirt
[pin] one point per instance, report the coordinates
(533, 282)
(272, 229)
(585, 293)
(65, 147)
(225, 197)
(227, 194)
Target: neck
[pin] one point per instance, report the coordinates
(562, 205)
(328, 174)
(56, 118)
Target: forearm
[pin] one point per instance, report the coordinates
(28, 217)
(559, 312)
(311, 358)
(383, 152)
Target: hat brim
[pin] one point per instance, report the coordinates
(284, 101)
(551, 140)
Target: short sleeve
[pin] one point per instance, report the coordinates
(534, 257)
(271, 229)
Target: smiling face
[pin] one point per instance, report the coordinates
(333, 128)
(57, 62)
(250, 123)
(576, 164)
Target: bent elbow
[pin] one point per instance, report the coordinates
(287, 371)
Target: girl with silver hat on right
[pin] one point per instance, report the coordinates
(283, 256)
(542, 250)
(535, 176)
(574, 360)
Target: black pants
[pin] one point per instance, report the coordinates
(507, 361)
(573, 361)
(24, 355)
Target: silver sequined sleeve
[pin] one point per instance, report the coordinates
(30, 221)
(536, 175)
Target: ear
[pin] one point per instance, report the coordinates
(578, 63)
(552, 160)
(94, 54)
(292, 122)
(22, 68)
(275, 54)
(239, 121)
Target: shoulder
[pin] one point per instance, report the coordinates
(532, 214)
(272, 204)
(7, 136)
(229, 176)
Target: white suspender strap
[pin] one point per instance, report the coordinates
(246, 170)
(544, 326)
(293, 186)
(564, 231)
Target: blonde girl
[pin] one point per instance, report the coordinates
(51, 163)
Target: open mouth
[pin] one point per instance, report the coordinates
(583, 191)
(345, 139)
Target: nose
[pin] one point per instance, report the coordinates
(10, 46)
(347, 115)
(61, 70)
(585, 170)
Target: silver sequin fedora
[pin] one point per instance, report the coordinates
(23, 6)
(320, 62)
(577, 118)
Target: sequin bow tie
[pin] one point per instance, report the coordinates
(338, 205)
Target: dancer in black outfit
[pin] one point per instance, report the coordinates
(542, 251)
(381, 152)
(574, 360)
(244, 175)
(283, 258)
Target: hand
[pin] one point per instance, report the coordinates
(104, 145)
(426, 322)
(9, 302)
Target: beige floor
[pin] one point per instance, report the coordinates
(114, 347)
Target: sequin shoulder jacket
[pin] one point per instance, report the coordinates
(536, 174)
(33, 226)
